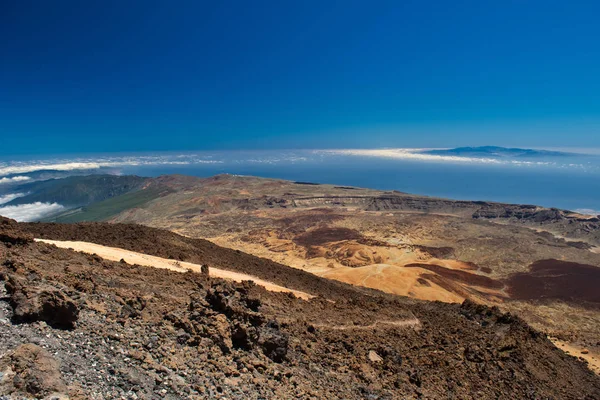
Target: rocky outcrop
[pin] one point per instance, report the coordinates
(11, 233)
(40, 302)
(530, 213)
(229, 318)
(31, 371)
(521, 212)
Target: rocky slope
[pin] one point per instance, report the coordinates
(422, 247)
(416, 246)
(76, 325)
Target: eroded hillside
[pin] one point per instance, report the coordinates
(88, 327)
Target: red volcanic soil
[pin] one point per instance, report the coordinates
(554, 279)
(460, 276)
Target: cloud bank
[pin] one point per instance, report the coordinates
(97, 163)
(111, 164)
(22, 169)
(14, 179)
(10, 197)
(417, 155)
(30, 212)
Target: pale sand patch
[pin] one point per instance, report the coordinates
(131, 257)
(592, 359)
(390, 276)
(393, 279)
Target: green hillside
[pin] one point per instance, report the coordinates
(78, 191)
(103, 210)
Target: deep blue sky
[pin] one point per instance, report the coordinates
(182, 75)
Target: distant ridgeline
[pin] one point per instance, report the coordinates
(76, 198)
(496, 151)
(77, 191)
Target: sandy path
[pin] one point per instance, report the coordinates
(131, 257)
(576, 351)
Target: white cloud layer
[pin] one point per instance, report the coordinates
(10, 197)
(14, 179)
(97, 163)
(415, 154)
(112, 164)
(30, 212)
(22, 169)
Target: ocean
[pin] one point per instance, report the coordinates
(570, 181)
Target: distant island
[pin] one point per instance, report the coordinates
(495, 151)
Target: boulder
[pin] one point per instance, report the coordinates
(273, 342)
(11, 233)
(32, 370)
(41, 302)
(204, 270)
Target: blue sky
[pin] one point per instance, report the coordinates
(191, 75)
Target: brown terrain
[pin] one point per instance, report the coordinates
(77, 325)
(540, 263)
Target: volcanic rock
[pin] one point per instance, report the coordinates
(32, 370)
(41, 303)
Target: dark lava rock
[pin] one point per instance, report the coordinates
(201, 337)
(204, 269)
(41, 303)
(11, 233)
(273, 342)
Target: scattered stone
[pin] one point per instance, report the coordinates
(57, 396)
(193, 337)
(12, 234)
(374, 357)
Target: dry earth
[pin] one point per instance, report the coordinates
(534, 261)
(83, 326)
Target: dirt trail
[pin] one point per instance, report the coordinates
(593, 360)
(131, 257)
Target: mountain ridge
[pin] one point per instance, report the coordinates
(498, 151)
